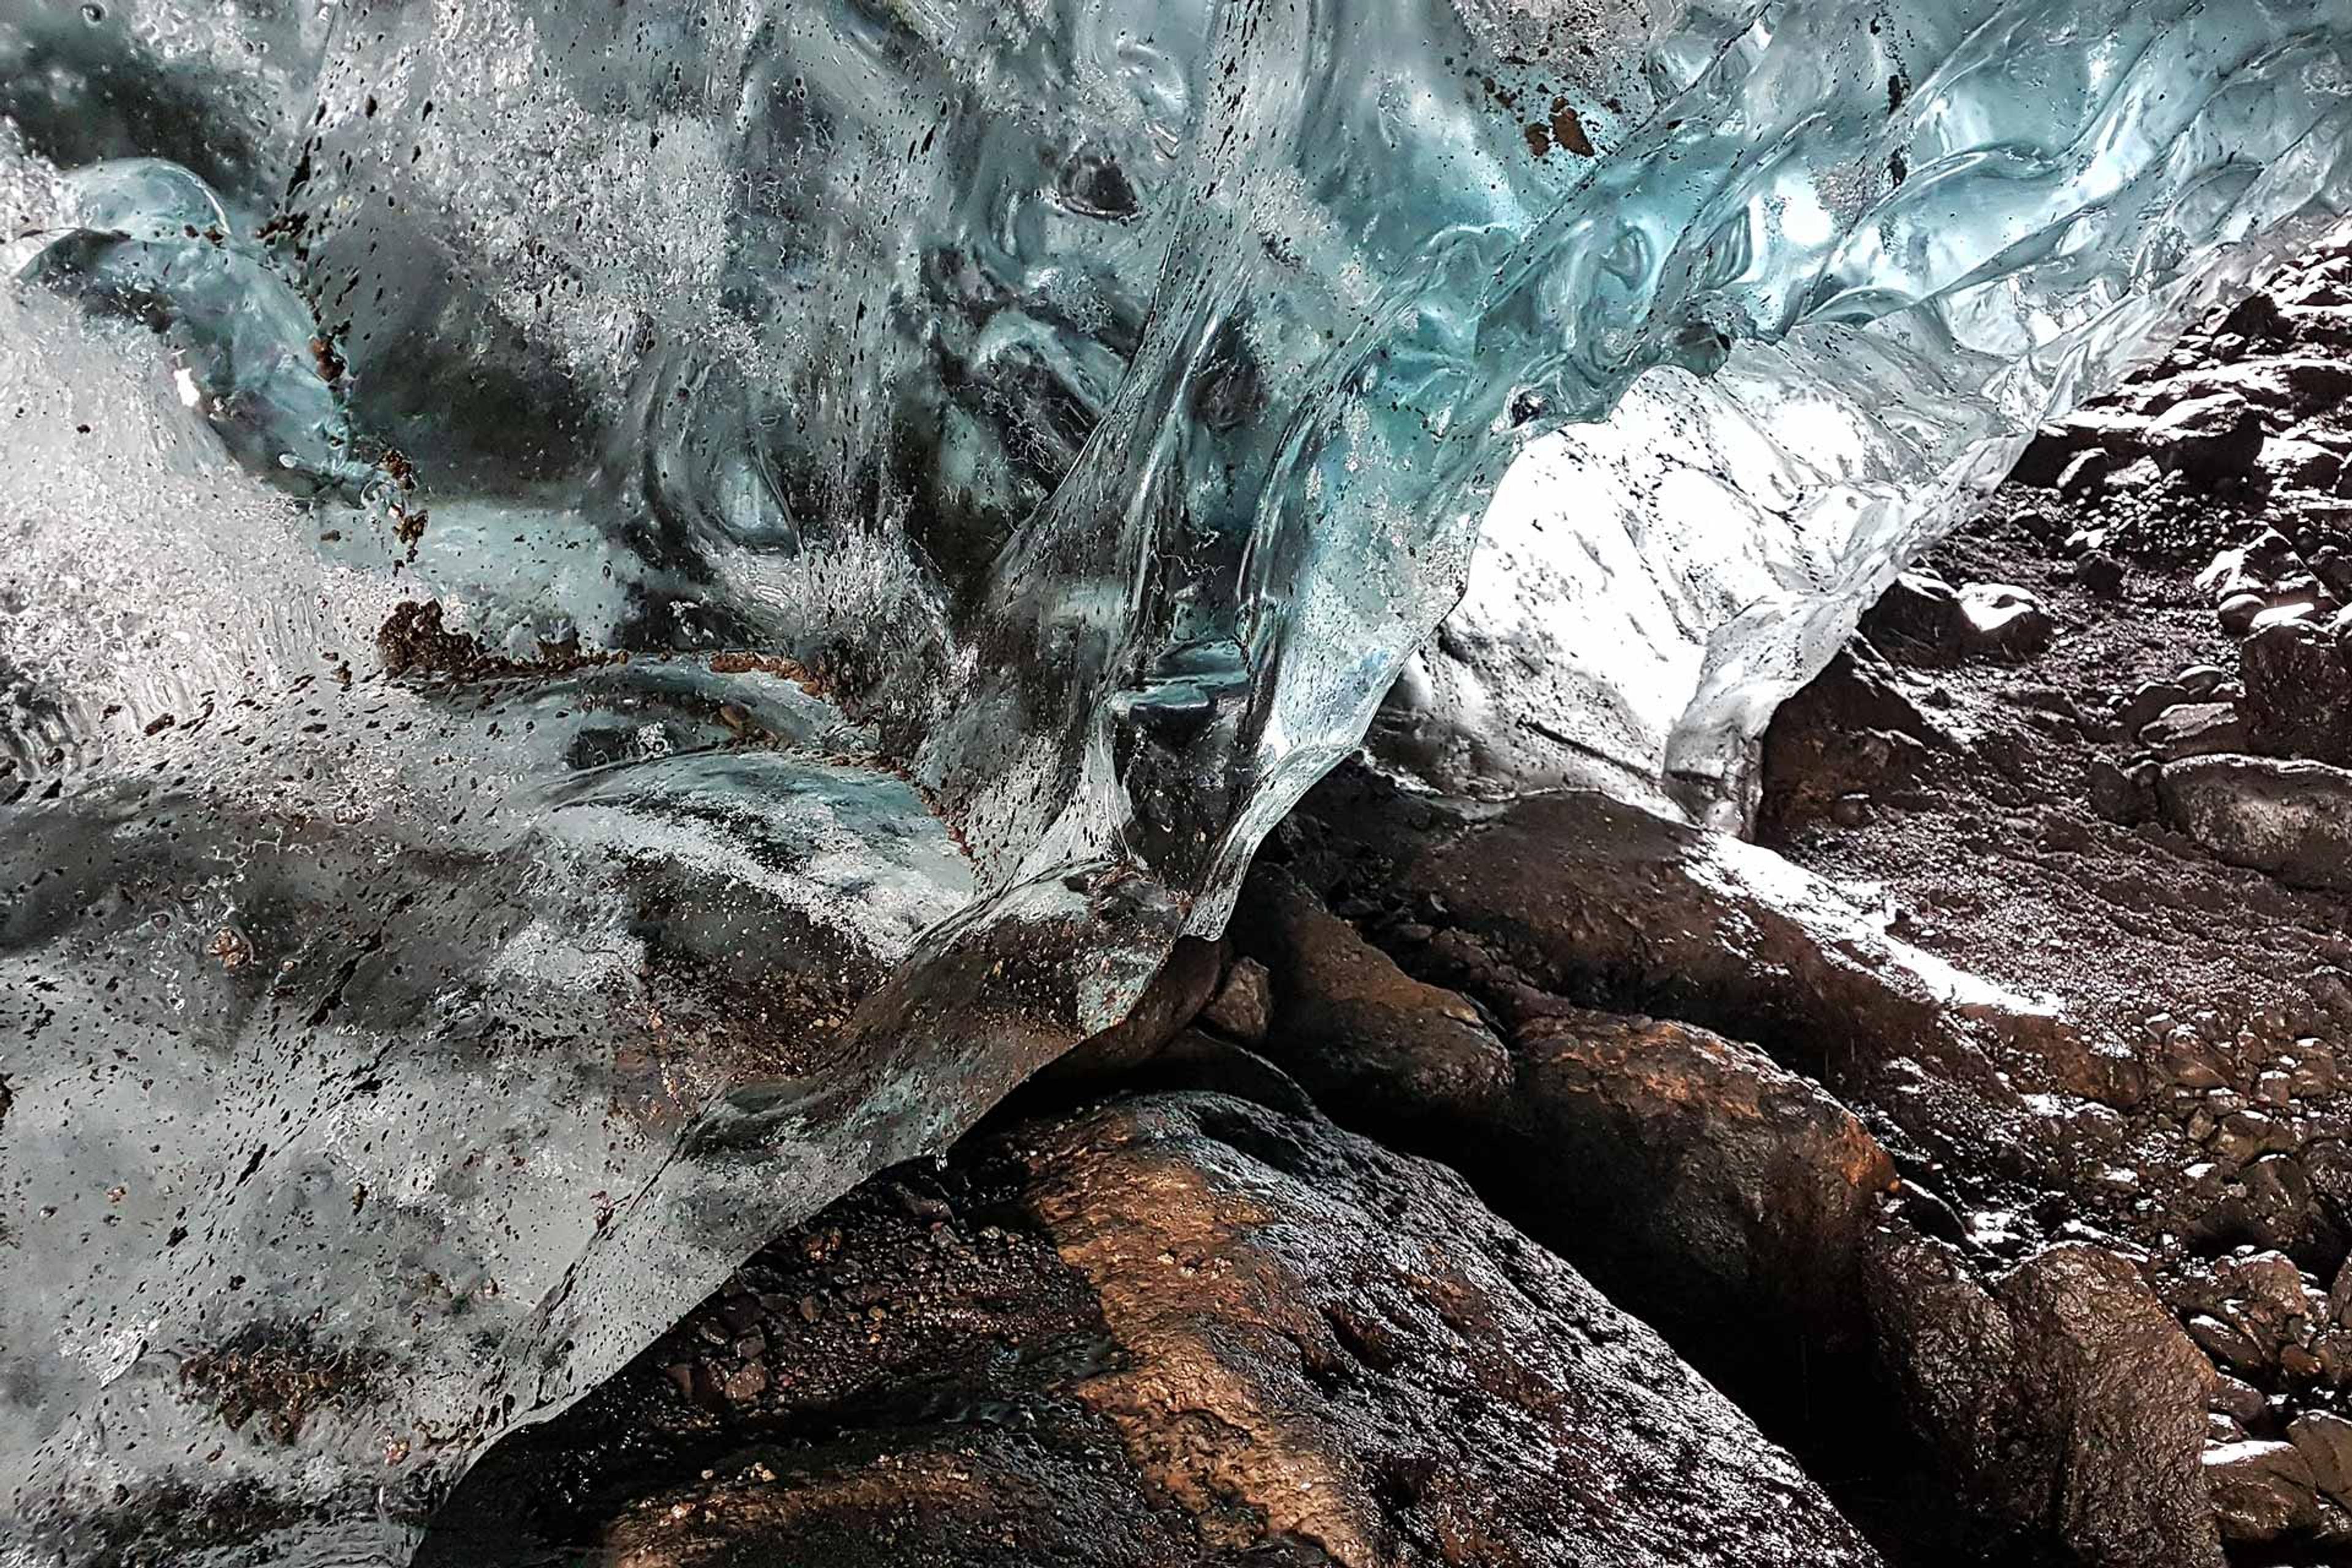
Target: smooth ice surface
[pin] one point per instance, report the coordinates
(1017, 447)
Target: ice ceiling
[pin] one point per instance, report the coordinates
(613, 616)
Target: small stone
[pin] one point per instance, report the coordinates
(2274, 1089)
(2330, 989)
(2100, 573)
(2226, 1342)
(2245, 1134)
(2084, 472)
(2208, 439)
(2260, 1489)
(2200, 680)
(1918, 609)
(2292, 611)
(1243, 1007)
(2290, 818)
(1999, 619)
(2236, 1398)
(2189, 1061)
(2298, 693)
(2194, 730)
(2314, 1075)
(2126, 796)
(1850, 810)
(746, 1383)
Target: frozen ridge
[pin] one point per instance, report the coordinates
(611, 618)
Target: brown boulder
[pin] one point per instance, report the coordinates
(2298, 699)
(1350, 1023)
(1725, 1176)
(2064, 1395)
(1182, 1329)
(2292, 819)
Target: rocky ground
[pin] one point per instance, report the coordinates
(1957, 1174)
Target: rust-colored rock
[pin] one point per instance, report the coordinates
(1182, 1329)
(2064, 1395)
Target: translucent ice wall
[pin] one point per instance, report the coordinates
(613, 616)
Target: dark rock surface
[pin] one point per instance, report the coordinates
(1183, 1327)
(2063, 1393)
(2290, 819)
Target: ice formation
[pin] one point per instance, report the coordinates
(611, 616)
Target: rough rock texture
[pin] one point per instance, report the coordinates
(1721, 1190)
(2298, 693)
(2290, 819)
(2065, 1395)
(2139, 823)
(1355, 1027)
(1177, 1329)
(1716, 1183)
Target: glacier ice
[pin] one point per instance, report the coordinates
(907, 492)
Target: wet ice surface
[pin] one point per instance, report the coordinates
(1017, 449)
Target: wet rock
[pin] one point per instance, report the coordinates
(2194, 730)
(2208, 439)
(1719, 1185)
(1175, 995)
(1350, 1023)
(1605, 904)
(1244, 1005)
(2326, 1443)
(2064, 1393)
(2261, 1490)
(1998, 620)
(2291, 819)
(1179, 1329)
(2298, 693)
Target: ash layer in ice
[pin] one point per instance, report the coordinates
(613, 617)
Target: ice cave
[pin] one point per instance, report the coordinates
(1114, 784)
